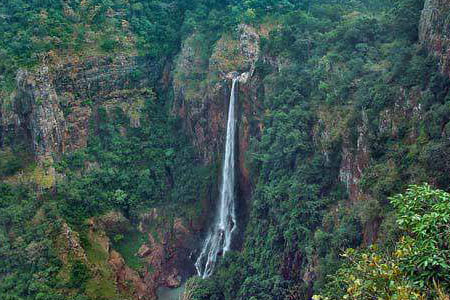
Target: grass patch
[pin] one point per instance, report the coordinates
(103, 288)
(95, 253)
(128, 246)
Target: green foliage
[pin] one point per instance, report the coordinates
(424, 214)
(157, 25)
(29, 263)
(127, 245)
(370, 274)
(11, 163)
(412, 269)
(156, 153)
(79, 275)
(109, 45)
(33, 32)
(407, 16)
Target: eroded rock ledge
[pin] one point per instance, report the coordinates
(53, 105)
(434, 31)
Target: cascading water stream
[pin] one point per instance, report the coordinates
(218, 240)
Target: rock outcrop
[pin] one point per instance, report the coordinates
(69, 244)
(128, 279)
(53, 105)
(434, 31)
(202, 86)
(355, 160)
(167, 251)
(164, 251)
(36, 105)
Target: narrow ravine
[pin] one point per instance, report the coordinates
(218, 241)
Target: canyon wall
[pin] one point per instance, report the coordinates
(202, 86)
(434, 31)
(51, 107)
(54, 109)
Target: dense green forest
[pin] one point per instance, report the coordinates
(351, 80)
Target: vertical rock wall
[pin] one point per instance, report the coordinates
(434, 31)
(202, 88)
(37, 107)
(52, 106)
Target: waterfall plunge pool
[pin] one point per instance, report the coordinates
(164, 293)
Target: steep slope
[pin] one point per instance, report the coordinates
(433, 30)
(202, 87)
(77, 129)
(355, 112)
(53, 106)
(110, 161)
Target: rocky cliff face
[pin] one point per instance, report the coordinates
(38, 111)
(202, 90)
(53, 110)
(168, 250)
(355, 159)
(52, 106)
(343, 136)
(434, 31)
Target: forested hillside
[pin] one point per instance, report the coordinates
(112, 130)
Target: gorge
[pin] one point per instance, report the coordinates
(224, 149)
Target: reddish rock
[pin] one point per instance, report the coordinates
(172, 281)
(125, 275)
(354, 162)
(434, 31)
(144, 251)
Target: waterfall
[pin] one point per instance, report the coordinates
(218, 240)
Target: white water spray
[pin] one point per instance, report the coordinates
(218, 240)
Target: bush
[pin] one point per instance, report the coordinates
(424, 214)
(10, 163)
(79, 275)
(109, 45)
(417, 268)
